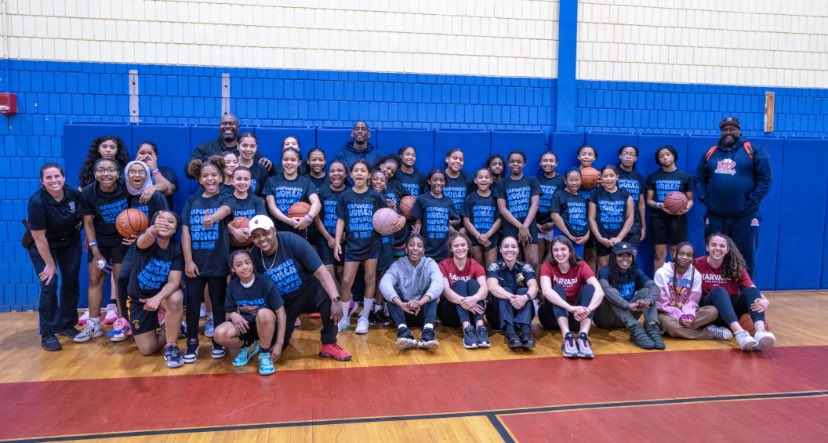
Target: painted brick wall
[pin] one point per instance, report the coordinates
(513, 38)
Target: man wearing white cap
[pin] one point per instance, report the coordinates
(292, 263)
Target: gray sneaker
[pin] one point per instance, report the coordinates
(90, 331)
(720, 332)
(172, 355)
(570, 350)
(584, 347)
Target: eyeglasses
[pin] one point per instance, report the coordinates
(137, 173)
(106, 171)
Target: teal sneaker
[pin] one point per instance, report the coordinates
(246, 354)
(265, 365)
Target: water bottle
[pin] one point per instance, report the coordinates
(104, 265)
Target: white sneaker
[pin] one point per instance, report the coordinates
(362, 326)
(84, 318)
(746, 342)
(209, 328)
(90, 331)
(111, 314)
(764, 340)
(202, 311)
(344, 324)
(719, 332)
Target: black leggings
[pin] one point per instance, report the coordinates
(730, 310)
(195, 295)
(452, 315)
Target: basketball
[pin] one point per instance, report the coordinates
(675, 202)
(747, 323)
(298, 210)
(384, 220)
(406, 203)
(590, 177)
(131, 222)
(239, 223)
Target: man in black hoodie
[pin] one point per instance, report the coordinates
(359, 148)
(228, 141)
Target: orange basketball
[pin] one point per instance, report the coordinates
(747, 324)
(239, 223)
(675, 202)
(298, 210)
(406, 203)
(384, 220)
(590, 177)
(131, 222)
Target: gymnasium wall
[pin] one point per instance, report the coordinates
(649, 67)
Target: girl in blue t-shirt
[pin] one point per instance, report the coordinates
(436, 216)
(568, 210)
(316, 167)
(285, 189)
(550, 182)
(411, 179)
(458, 182)
(517, 199)
(496, 164)
(355, 212)
(667, 228)
(248, 147)
(482, 219)
(205, 244)
(325, 222)
(231, 162)
(611, 214)
(379, 183)
(244, 203)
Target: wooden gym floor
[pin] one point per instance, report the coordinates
(694, 391)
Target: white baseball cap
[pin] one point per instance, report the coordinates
(261, 222)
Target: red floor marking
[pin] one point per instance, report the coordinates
(800, 419)
(141, 403)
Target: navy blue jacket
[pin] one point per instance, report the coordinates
(349, 155)
(730, 183)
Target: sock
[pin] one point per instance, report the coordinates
(428, 326)
(346, 305)
(377, 307)
(367, 306)
(94, 320)
(402, 325)
(265, 350)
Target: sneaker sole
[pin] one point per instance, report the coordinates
(484, 345)
(406, 343)
(174, 365)
(474, 346)
(748, 347)
(267, 372)
(429, 344)
(764, 343)
(190, 360)
(572, 356)
(219, 356)
(586, 356)
(86, 339)
(324, 355)
(117, 338)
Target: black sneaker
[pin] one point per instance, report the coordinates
(405, 339)
(427, 340)
(482, 337)
(191, 354)
(381, 318)
(514, 341)
(50, 343)
(218, 351)
(469, 337)
(527, 341)
(654, 332)
(640, 338)
(69, 332)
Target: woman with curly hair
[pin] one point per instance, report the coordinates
(105, 146)
(727, 285)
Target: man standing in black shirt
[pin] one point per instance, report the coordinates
(228, 141)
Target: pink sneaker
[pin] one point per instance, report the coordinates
(111, 314)
(334, 351)
(84, 318)
(120, 330)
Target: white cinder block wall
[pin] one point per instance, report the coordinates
(509, 38)
(738, 42)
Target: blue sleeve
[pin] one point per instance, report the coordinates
(762, 172)
(555, 203)
(534, 186)
(230, 301)
(185, 213)
(467, 207)
(274, 297)
(417, 210)
(86, 206)
(259, 206)
(342, 208)
(701, 180)
(177, 258)
(603, 273)
(267, 186)
(304, 252)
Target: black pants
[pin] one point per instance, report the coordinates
(312, 299)
(217, 287)
(56, 314)
(452, 315)
(501, 314)
(123, 281)
(549, 313)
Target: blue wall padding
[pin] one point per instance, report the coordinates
(766, 254)
(270, 141)
(801, 230)
(824, 284)
(333, 140)
(607, 146)
(389, 141)
(534, 144)
(475, 145)
(565, 145)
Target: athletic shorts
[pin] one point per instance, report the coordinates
(548, 236)
(372, 254)
(252, 333)
(668, 229)
(113, 254)
(510, 231)
(495, 242)
(327, 255)
(141, 320)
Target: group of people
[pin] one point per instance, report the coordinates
(498, 244)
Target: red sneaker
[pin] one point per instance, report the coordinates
(334, 351)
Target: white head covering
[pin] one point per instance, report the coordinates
(147, 183)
